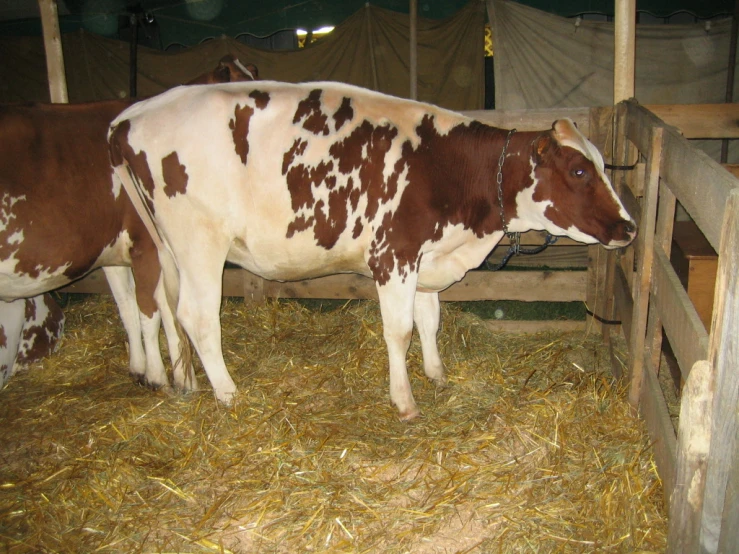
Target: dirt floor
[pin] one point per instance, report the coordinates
(530, 447)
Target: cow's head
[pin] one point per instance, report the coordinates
(571, 195)
(228, 70)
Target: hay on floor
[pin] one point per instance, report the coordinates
(530, 447)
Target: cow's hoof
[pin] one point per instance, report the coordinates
(410, 415)
(437, 373)
(139, 379)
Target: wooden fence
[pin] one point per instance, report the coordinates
(699, 466)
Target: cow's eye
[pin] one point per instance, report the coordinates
(579, 173)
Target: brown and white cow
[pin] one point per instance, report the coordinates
(62, 215)
(298, 181)
(30, 329)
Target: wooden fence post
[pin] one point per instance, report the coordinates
(54, 55)
(686, 502)
(719, 531)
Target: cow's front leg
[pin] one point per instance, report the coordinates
(426, 314)
(396, 306)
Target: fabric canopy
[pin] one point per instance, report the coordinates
(370, 49)
(545, 61)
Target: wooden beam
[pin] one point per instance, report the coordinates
(681, 322)
(532, 120)
(723, 349)
(709, 121)
(413, 14)
(54, 54)
(624, 50)
(528, 327)
(644, 266)
(653, 408)
(694, 438)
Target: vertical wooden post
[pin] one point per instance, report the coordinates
(413, 14)
(54, 54)
(730, 73)
(686, 502)
(373, 61)
(723, 354)
(644, 267)
(624, 50)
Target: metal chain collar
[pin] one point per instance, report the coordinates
(515, 238)
(499, 179)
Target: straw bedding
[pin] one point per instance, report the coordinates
(529, 448)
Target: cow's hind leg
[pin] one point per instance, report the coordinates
(145, 365)
(426, 314)
(183, 372)
(198, 306)
(396, 305)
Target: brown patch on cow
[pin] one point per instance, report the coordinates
(3, 337)
(358, 228)
(261, 98)
(309, 112)
(146, 269)
(344, 113)
(239, 126)
(301, 180)
(174, 175)
(120, 150)
(30, 311)
(300, 223)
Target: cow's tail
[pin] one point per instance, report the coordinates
(170, 273)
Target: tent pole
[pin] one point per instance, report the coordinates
(54, 55)
(413, 13)
(730, 74)
(133, 54)
(373, 62)
(624, 50)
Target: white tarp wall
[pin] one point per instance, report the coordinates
(546, 61)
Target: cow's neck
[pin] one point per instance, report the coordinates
(511, 154)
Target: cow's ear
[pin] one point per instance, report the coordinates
(541, 145)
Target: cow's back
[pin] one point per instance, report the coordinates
(301, 176)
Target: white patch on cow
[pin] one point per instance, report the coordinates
(115, 184)
(6, 212)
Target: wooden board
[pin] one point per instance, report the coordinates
(656, 416)
(682, 325)
(711, 121)
(527, 327)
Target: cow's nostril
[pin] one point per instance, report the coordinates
(630, 227)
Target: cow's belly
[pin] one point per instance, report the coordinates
(13, 286)
(26, 273)
(282, 259)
